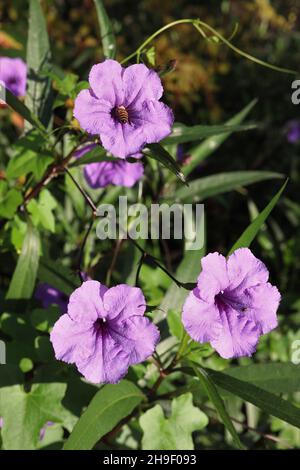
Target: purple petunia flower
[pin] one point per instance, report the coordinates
(13, 75)
(121, 173)
(123, 108)
(48, 295)
(105, 331)
(232, 305)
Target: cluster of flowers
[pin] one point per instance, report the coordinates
(105, 330)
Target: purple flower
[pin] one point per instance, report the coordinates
(44, 429)
(48, 295)
(123, 108)
(293, 131)
(121, 173)
(232, 305)
(105, 331)
(13, 75)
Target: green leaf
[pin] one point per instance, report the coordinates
(251, 231)
(174, 433)
(157, 152)
(23, 280)
(10, 199)
(111, 404)
(107, 35)
(273, 377)
(57, 275)
(43, 319)
(266, 401)
(23, 110)
(39, 96)
(209, 145)
(216, 399)
(95, 155)
(174, 323)
(209, 186)
(24, 414)
(182, 134)
(30, 155)
(42, 210)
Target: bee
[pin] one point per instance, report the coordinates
(122, 114)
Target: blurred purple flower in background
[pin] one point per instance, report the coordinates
(13, 74)
(105, 331)
(119, 173)
(123, 108)
(232, 305)
(292, 131)
(48, 295)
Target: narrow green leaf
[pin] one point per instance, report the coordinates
(111, 404)
(57, 275)
(23, 280)
(209, 186)
(216, 399)
(209, 145)
(266, 401)
(39, 96)
(107, 35)
(251, 231)
(182, 134)
(273, 377)
(157, 152)
(20, 108)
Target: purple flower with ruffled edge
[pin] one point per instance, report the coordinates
(105, 331)
(48, 295)
(232, 305)
(13, 74)
(123, 108)
(117, 173)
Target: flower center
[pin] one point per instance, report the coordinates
(122, 115)
(100, 324)
(224, 299)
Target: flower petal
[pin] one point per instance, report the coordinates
(99, 175)
(262, 303)
(93, 114)
(245, 270)
(140, 84)
(123, 301)
(213, 277)
(126, 140)
(106, 82)
(239, 335)
(86, 302)
(136, 335)
(72, 342)
(109, 362)
(200, 319)
(155, 118)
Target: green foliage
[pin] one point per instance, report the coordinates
(175, 432)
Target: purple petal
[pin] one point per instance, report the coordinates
(13, 74)
(213, 277)
(155, 118)
(245, 270)
(93, 114)
(239, 336)
(137, 335)
(262, 303)
(73, 342)
(48, 295)
(200, 319)
(126, 140)
(86, 303)
(100, 175)
(140, 84)
(106, 82)
(108, 364)
(124, 301)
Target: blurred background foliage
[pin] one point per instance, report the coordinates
(208, 86)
